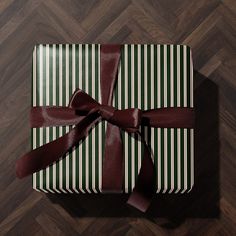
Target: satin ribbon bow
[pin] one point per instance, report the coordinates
(84, 112)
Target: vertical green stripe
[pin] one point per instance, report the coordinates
(64, 104)
(77, 154)
(70, 127)
(136, 102)
(168, 130)
(148, 77)
(57, 103)
(90, 136)
(142, 77)
(175, 105)
(162, 105)
(148, 89)
(37, 104)
(104, 122)
(155, 68)
(83, 144)
(129, 105)
(188, 131)
(44, 103)
(142, 90)
(97, 128)
(182, 104)
(50, 103)
(123, 92)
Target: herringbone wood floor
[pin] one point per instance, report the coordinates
(209, 27)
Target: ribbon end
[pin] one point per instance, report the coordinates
(139, 201)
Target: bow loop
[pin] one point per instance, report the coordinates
(82, 102)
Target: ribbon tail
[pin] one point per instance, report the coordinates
(45, 155)
(144, 189)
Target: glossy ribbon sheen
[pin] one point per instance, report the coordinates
(84, 112)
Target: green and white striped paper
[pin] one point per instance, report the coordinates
(150, 76)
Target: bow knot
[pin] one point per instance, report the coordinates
(106, 112)
(127, 119)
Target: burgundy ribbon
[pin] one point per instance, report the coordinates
(84, 112)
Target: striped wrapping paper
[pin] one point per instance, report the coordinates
(150, 76)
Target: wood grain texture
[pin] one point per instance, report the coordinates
(209, 27)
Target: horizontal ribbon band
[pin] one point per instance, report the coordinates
(180, 117)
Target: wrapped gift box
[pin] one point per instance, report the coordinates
(149, 76)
